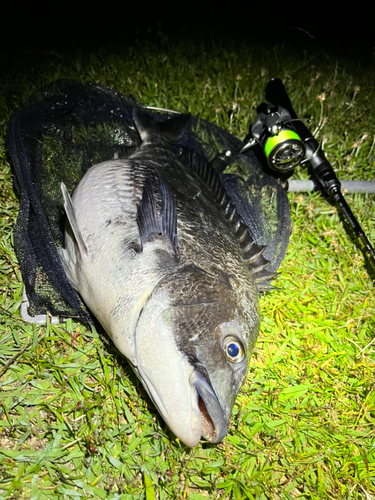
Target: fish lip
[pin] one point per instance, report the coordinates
(190, 437)
(206, 396)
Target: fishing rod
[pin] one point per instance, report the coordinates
(287, 143)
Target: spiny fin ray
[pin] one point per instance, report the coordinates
(251, 251)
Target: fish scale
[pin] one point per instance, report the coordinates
(172, 306)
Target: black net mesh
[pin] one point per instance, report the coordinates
(65, 129)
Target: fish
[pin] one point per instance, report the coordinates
(158, 253)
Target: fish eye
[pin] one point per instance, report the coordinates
(233, 349)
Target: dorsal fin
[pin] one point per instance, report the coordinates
(263, 281)
(150, 222)
(171, 128)
(251, 251)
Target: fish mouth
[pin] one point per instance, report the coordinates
(214, 422)
(181, 388)
(207, 417)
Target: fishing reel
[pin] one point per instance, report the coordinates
(273, 130)
(286, 143)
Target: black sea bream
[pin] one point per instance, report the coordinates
(152, 254)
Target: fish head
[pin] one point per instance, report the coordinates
(193, 345)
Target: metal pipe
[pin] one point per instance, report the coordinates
(296, 186)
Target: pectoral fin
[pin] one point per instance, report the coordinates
(150, 222)
(69, 211)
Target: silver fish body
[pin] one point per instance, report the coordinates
(155, 259)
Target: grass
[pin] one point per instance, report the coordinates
(74, 421)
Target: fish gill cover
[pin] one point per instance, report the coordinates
(66, 128)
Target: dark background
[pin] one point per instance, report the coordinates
(65, 26)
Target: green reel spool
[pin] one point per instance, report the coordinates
(284, 150)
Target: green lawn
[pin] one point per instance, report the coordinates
(75, 422)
